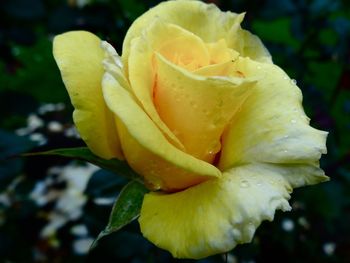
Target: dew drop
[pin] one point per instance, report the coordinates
(206, 112)
(293, 121)
(293, 81)
(152, 182)
(220, 103)
(244, 184)
(193, 104)
(214, 148)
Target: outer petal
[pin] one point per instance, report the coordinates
(215, 216)
(272, 126)
(197, 108)
(147, 150)
(205, 21)
(79, 57)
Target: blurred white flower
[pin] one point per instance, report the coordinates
(79, 230)
(33, 123)
(50, 107)
(69, 201)
(329, 248)
(287, 225)
(54, 126)
(82, 246)
(38, 137)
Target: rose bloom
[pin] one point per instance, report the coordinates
(196, 107)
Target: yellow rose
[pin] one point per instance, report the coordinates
(196, 106)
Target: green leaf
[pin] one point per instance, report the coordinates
(126, 209)
(324, 75)
(276, 31)
(10, 145)
(84, 154)
(37, 75)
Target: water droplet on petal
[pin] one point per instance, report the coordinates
(152, 182)
(293, 81)
(244, 184)
(220, 103)
(293, 121)
(193, 104)
(214, 148)
(206, 112)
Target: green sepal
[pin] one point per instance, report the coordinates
(125, 209)
(84, 154)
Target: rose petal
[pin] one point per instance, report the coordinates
(214, 216)
(225, 69)
(182, 47)
(197, 109)
(272, 126)
(147, 150)
(79, 57)
(219, 52)
(141, 71)
(206, 21)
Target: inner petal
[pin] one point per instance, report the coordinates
(165, 38)
(219, 52)
(223, 61)
(225, 69)
(187, 51)
(196, 108)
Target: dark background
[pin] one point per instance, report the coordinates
(52, 208)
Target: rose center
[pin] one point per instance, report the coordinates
(194, 93)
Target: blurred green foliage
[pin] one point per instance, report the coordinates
(309, 39)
